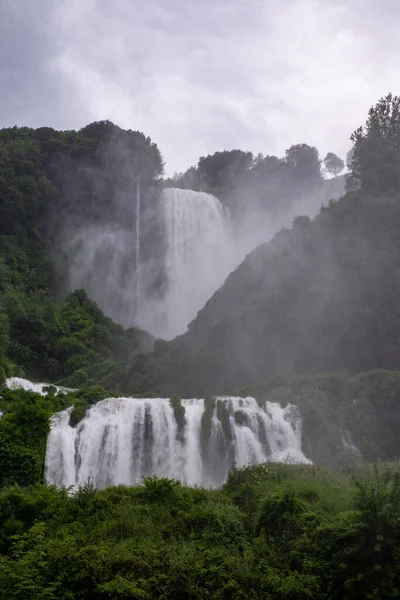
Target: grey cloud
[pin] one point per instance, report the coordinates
(200, 76)
(30, 92)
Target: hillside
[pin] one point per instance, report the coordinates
(319, 297)
(49, 181)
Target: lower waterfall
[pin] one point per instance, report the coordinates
(121, 440)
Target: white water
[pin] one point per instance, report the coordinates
(14, 383)
(109, 261)
(200, 254)
(138, 264)
(121, 440)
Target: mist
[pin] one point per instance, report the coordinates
(152, 252)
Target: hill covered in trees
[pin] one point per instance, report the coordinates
(323, 295)
(320, 296)
(258, 189)
(51, 180)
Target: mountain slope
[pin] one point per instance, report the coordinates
(322, 296)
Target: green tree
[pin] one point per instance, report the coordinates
(375, 165)
(333, 164)
(4, 339)
(223, 168)
(349, 158)
(304, 162)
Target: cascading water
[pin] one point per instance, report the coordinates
(18, 383)
(195, 253)
(199, 254)
(121, 440)
(138, 264)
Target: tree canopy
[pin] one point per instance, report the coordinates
(333, 164)
(376, 150)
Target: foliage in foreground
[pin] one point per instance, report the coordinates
(273, 531)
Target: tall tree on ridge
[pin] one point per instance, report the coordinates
(376, 150)
(333, 164)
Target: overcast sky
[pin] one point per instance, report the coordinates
(199, 76)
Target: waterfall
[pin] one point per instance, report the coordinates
(18, 383)
(120, 260)
(137, 262)
(159, 291)
(121, 440)
(199, 254)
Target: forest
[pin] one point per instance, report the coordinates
(272, 531)
(309, 318)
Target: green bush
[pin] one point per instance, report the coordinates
(162, 539)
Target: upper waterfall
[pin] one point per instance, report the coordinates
(199, 253)
(155, 269)
(121, 440)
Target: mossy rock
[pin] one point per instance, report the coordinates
(78, 412)
(179, 413)
(241, 418)
(206, 419)
(224, 417)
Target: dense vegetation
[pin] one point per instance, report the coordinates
(47, 179)
(25, 424)
(264, 185)
(273, 531)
